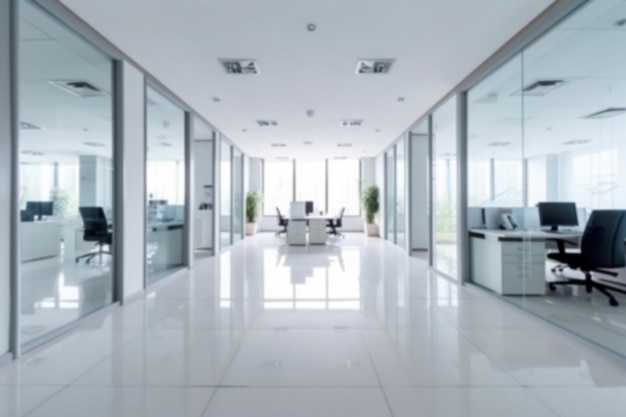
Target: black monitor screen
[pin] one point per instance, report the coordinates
(308, 207)
(555, 214)
(40, 208)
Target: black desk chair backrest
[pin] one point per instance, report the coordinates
(281, 219)
(602, 244)
(338, 221)
(96, 225)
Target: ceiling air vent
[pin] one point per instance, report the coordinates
(28, 126)
(240, 66)
(95, 144)
(267, 123)
(351, 122)
(344, 145)
(278, 145)
(374, 66)
(540, 88)
(81, 89)
(498, 144)
(606, 113)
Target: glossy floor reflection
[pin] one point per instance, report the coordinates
(356, 328)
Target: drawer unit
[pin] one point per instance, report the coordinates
(296, 232)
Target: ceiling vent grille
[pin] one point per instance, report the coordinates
(606, 113)
(95, 144)
(28, 126)
(540, 88)
(240, 66)
(498, 144)
(344, 145)
(278, 145)
(374, 66)
(82, 89)
(267, 123)
(351, 123)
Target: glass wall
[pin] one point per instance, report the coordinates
(390, 195)
(165, 182)
(66, 176)
(444, 204)
(238, 229)
(548, 126)
(226, 188)
(401, 232)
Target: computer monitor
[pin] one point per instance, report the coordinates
(308, 207)
(40, 208)
(553, 214)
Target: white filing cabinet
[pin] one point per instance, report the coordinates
(509, 267)
(296, 232)
(317, 231)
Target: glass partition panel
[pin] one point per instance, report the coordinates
(66, 176)
(390, 195)
(344, 186)
(226, 192)
(237, 195)
(311, 183)
(401, 234)
(445, 189)
(165, 181)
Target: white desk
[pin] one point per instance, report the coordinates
(40, 239)
(166, 239)
(316, 224)
(512, 262)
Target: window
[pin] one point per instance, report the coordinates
(344, 188)
(311, 183)
(508, 183)
(478, 183)
(594, 179)
(277, 186)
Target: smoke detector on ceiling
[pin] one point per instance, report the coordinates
(79, 88)
(28, 126)
(374, 66)
(351, 122)
(540, 88)
(606, 113)
(240, 66)
(267, 123)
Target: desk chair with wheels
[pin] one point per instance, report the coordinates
(334, 224)
(96, 230)
(282, 222)
(602, 246)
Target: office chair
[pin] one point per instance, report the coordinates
(282, 222)
(602, 246)
(96, 230)
(335, 223)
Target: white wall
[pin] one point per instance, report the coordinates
(5, 175)
(418, 185)
(204, 188)
(134, 233)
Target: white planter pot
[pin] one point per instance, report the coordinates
(250, 229)
(372, 229)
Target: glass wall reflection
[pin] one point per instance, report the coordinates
(547, 127)
(226, 185)
(401, 232)
(165, 180)
(238, 197)
(390, 195)
(66, 175)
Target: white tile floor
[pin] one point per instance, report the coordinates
(353, 329)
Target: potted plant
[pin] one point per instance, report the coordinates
(371, 206)
(253, 202)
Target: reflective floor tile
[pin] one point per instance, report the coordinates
(584, 402)
(18, 401)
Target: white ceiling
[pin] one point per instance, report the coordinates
(436, 43)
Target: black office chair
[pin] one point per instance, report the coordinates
(334, 224)
(96, 230)
(602, 246)
(282, 222)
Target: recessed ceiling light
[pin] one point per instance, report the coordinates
(341, 157)
(606, 113)
(374, 66)
(620, 22)
(244, 130)
(498, 144)
(344, 145)
(307, 143)
(377, 130)
(95, 144)
(283, 158)
(216, 99)
(240, 66)
(33, 153)
(401, 99)
(278, 145)
(267, 123)
(166, 144)
(576, 142)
